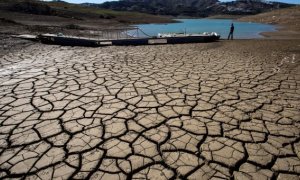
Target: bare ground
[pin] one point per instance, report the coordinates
(198, 111)
(228, 109)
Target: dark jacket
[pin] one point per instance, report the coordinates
(231, 28)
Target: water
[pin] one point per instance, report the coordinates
(243, 30)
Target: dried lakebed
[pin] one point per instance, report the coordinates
(197, 111)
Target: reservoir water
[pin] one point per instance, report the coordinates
(243, 30)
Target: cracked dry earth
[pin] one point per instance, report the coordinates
(226, 110)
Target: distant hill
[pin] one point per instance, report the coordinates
(38, 17)
(197, 8)
(58, 8)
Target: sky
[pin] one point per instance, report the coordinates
(101, 1)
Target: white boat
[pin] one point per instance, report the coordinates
(162, 35)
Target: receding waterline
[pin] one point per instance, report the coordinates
(243, 30)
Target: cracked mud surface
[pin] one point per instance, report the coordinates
(226, 110)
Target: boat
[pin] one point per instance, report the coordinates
(179, 38)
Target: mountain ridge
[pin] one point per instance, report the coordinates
(194, 8)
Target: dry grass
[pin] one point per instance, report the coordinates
(288, 18)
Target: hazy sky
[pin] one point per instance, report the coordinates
(101, 1)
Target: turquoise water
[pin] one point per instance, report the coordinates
(243, 30)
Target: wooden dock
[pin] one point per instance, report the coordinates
(75, 41)
(88, 42)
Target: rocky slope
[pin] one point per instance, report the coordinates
(198, 8)
(287, 21)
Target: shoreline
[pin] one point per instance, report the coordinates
(267, 35)
(281, 32)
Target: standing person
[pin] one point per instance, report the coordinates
(231, 32)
